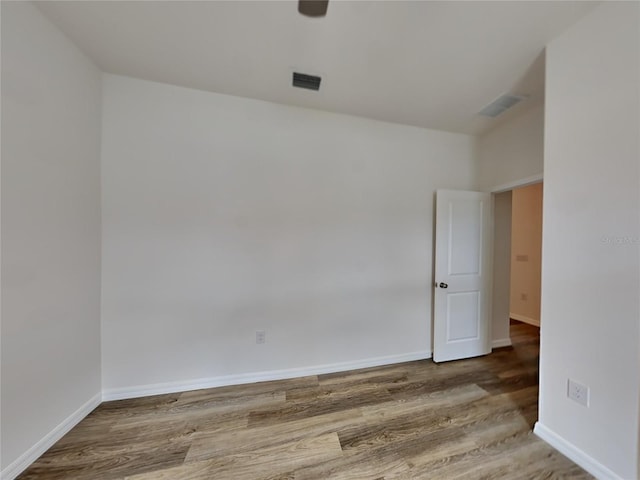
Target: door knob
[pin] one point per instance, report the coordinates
(443, 285)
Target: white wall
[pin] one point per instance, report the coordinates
(591, 232)
(507, 154)
(223, 216)
(50, 234)
(512, 151)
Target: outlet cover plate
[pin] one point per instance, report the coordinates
(578, 392)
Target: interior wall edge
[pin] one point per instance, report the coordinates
(21, 463)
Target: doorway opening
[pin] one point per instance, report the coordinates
(526, 254)
(517, 259)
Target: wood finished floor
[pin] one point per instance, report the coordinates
(469, 419)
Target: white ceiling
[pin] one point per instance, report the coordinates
(432, 64)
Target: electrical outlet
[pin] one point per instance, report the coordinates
(261, 336)
(578, 392)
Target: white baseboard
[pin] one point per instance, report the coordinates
(224, 380)
(501, 342)
(27, 458)
(523, 318)
(569, 450)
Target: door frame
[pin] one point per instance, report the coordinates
(496, 291)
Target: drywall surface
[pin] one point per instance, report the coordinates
(512, 151)
(526, 253)
(591, 232)
(224, 216)
(51, 96)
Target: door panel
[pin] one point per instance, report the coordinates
(465, 230)
(460, 306)
(462, 275)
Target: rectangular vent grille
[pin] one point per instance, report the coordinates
(501, 104)
(303, 80)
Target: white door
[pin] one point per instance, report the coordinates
(461, 326)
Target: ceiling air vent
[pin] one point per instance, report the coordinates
(303, 80)
(501, 104)
(313, 8)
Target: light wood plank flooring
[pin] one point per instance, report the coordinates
(469, 419)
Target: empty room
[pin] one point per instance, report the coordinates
(273, 240)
